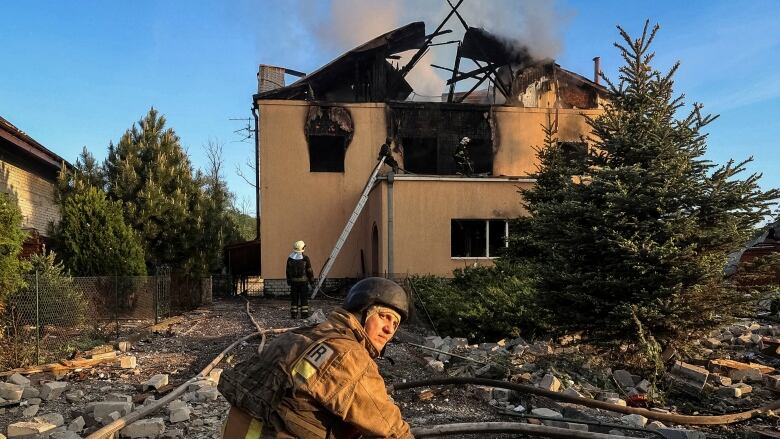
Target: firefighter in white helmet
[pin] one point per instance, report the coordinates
(299, 277)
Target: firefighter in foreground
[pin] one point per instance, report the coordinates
(321, 381)
(299, 277)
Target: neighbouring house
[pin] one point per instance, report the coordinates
(28, 171)
(318, 140)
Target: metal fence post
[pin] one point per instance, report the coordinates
(155, 298)
(37, 322)
(116, 304)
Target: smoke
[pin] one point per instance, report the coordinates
(344, 24)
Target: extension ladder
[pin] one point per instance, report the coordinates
(348, 227)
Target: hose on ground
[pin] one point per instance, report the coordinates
(508, 427)
(649, 414)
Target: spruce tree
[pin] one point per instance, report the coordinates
(87, 173)
(641, 244)
(150, 173)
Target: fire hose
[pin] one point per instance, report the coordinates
(649, 414)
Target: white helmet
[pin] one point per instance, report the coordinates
(465, 141)
(298, 246)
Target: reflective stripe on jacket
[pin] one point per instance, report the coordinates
(317, 382)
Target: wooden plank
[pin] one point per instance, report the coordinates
(731, 364)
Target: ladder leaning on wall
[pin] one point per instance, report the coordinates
(348, 227)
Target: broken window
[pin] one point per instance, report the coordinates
(472, 238)
(326, 153)
(575, 153)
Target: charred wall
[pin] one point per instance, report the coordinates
(428, 134)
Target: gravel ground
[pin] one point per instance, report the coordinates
(186, 347)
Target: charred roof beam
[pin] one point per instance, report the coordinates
(419, 54)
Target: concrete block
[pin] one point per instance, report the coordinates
(744, 388)
(719, 379)
(179, 415)
(65, 435)
(30, 392)
(128, 362)
(155, 382)
(124, 346)
(695, 373)
(119, 397)
(199, 385)
(207, 394)
(643, 386)
(30, 411)
(53, 389)
(103, 409)
(635, 420)
(572, 392)
(729, 392)
(550, 382)
(500, 394)
(29, 428)
(549, 413)
(52, 418)
(144, 428)
(10, 391)
(19, 380)
(623, 378)
(77, 424)
(74, 396)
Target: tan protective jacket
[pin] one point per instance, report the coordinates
(317, 382)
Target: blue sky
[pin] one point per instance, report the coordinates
(77, 74)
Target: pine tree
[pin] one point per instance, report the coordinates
(641, 244)
(93, 238)
(150, 173)
(85, 174)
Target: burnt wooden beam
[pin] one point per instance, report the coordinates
(455, 10)
(419, 54)
(481, 80)
(470, 74)
(454, 72)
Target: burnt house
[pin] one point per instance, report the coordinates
(318, 140)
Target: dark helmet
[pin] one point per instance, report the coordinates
(377, 291)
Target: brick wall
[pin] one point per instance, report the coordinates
(35, 196)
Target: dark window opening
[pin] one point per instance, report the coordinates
(420, 155)
(477, 238)
(326, 153)
(576, 153)
(481, 152)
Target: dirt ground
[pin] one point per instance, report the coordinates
(186, 347)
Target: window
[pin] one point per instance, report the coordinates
(575, 153)
(471, 238)
(326, 153)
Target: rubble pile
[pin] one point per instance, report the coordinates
(729, 372)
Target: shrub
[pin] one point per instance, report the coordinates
(480, 303)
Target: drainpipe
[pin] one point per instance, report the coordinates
(256, 114)
(390, 262)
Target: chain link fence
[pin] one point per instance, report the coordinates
(52, 319)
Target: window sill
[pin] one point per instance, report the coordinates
(466, 258)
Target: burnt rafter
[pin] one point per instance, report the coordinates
(421, 51)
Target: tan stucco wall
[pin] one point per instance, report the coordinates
(34, 195)
(298, 204)
(520, 131)
(424, 209)
(312, 206)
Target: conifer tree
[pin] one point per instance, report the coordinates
(11, 238)
(87, 173)
(93, 238)
(150, 173)
(641, 244)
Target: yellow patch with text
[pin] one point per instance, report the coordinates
(305, 369)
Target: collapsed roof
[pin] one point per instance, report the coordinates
(364, 74)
